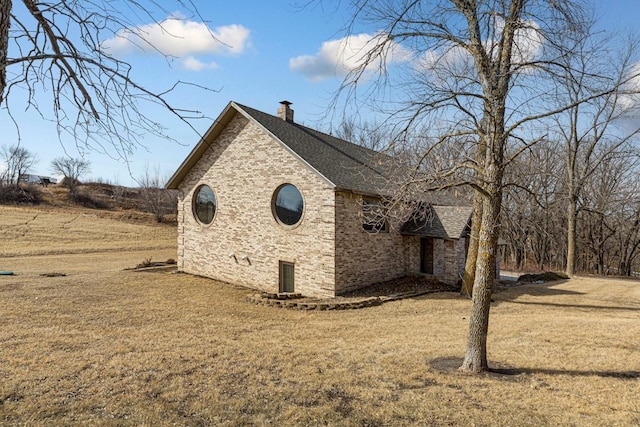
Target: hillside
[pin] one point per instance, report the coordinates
(48, 230)
(158, 202)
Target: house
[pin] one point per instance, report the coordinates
(272, 205)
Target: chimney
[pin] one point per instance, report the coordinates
(284, 112)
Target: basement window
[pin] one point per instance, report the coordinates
(374, 216)
(287, 277)
(204, 205)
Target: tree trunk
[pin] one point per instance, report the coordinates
(475, 359)
(472, 254)
(5, 23)
(571, 237)
(519, 257)
(469, 276)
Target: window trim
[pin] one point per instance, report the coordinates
(194, 198)
(274, 197)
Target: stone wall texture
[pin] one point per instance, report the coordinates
(331, 251)
(363, 257)
(244, 167)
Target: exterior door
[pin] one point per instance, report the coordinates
(426, 255)
(287, 276)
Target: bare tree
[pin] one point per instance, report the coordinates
(535, 220)
(628, 239)
(72, 169)
(478, 81)
(17, 162)
(157, 199)
(372, 135)
(55, 49)
(588, 130)
(534, 214)
(604, 196)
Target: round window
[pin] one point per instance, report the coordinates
(204, 204)
(287, 204)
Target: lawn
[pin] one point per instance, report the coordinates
(106, 346)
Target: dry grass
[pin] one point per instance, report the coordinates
(111, 347)
(48, 230)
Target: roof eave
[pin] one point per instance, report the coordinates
(210, 135)
(359, 192)
(433, 235)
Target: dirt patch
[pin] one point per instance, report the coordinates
(165, 268)
(148, 266)
(403, 285)
(52, 275)
(547, 276)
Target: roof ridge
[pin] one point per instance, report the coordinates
(349, 166)
(312, 130)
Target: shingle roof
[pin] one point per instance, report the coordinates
(443, 222)
(345, 165)
(348, 166)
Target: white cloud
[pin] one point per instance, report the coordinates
(194, 64)
(630, 98)
(628, 103)
(454, 60)
(178, 37)
(528, 43)
(336, 58)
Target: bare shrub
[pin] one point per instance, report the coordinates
(23, 195)
(88, 200)
(145, 263)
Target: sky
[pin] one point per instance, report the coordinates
(272, 51)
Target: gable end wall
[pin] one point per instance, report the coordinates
(244, 166)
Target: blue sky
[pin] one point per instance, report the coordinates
(274, 51)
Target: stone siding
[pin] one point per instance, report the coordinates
(452, 255)
(244, 166)
(439, 260)
(331, 251)
(461, 256)
(451, 267)
(364, 258)
(412, 254)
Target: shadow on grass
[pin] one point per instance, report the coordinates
(510, 293)
(546, 289)
(583, 306)
(502, 294)
(451, 365)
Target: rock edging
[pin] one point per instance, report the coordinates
(297, 302)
